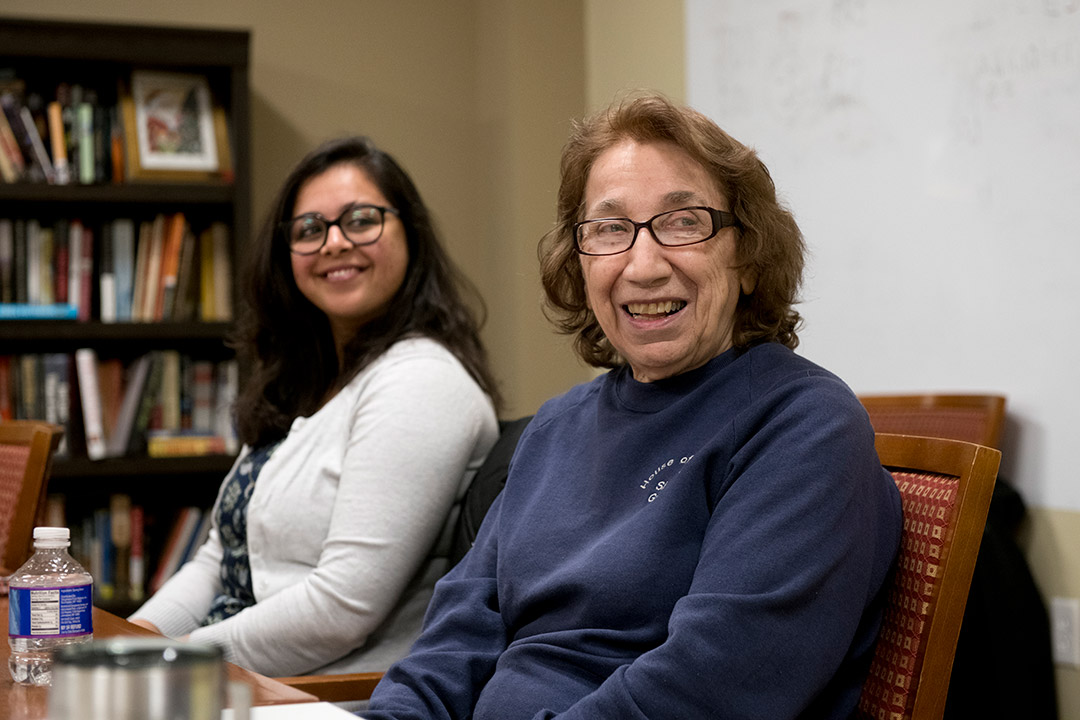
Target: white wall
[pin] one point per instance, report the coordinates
(931, 154)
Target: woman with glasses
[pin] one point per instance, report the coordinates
(367, 407)
(705, 530)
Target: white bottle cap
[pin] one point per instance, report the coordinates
(55, 534)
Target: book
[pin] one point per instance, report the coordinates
(7, 260)
(90, 395)
(58, 143)
(37, 146)
(137, 569)
(61, 261)
(119, 440)
(106, 277)
(30, 387)
(207, 310)
(166, 444)
(170, 391)
(46, 266)
(185, 307)
(151, 394)
(187, 520)
(9, 146)
(18, 260)
(75, 253)
(84, 118)
(11, 107)
(123, 258)
(142, 260)
(120, 532)
(202, 392)
(222, 272)
(86, 274)
(105, 573)
(152, 271)
(26, 311)
(175, 228)
(56, 367)
(227, 382)
(7, 383)
(111, 388)
(33, 262)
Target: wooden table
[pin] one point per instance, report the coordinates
(21, 702)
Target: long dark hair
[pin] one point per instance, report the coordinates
(284, 343)
(768, 242)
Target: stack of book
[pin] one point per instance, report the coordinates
(162, 404)
(156, 269)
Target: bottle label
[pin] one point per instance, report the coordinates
(50, 612)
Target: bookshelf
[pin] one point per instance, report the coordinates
(41, 56)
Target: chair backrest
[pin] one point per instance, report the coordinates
(973, 418)
(26, 450)
(945, 488)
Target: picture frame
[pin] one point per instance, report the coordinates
(173, 129)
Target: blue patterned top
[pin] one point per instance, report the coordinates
(237, 592)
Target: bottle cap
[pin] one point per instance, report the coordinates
(55, 534)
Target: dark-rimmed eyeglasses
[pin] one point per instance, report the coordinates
(674, 228)
(360, 224)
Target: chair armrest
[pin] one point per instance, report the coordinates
(335, 688)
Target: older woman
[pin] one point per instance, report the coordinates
(704, 531)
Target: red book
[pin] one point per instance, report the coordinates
(86, 274)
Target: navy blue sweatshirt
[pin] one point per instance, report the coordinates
(713, 545)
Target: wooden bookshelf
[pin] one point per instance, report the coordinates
(98, 55)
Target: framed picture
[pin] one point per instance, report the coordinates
(173, 130)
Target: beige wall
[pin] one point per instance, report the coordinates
(454, 91)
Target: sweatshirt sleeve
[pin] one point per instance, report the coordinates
(409, 444)
(804, 531)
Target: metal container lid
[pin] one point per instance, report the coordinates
(136, 653)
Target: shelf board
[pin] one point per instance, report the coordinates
(126, 193)
(71, 332)
(139, 467)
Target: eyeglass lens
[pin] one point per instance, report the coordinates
(360, 224)
(608, 236)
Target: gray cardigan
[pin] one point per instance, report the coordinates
(348, 524)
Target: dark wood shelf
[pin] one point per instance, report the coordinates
(102, 57)
(138, 467)
(143, 193)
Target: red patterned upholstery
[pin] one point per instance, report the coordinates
(26, 448)
(12, 471)
(945, 489)
(929, 503)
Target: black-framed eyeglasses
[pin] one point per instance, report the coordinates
(360, 224)
(674, 228)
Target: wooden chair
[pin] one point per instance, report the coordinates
(26, 450)
(945, 487)
(973, 418)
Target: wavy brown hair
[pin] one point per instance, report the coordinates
(768, 243)
(284, 342)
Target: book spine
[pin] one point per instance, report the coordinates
(38, 147)
(137, 570)
(7, 260)
(106, 278)
(59, 143)
(90, 395)
(85, 119)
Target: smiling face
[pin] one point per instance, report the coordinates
(351, 285)
(665, 310)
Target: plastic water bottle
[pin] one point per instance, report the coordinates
(49, 605)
